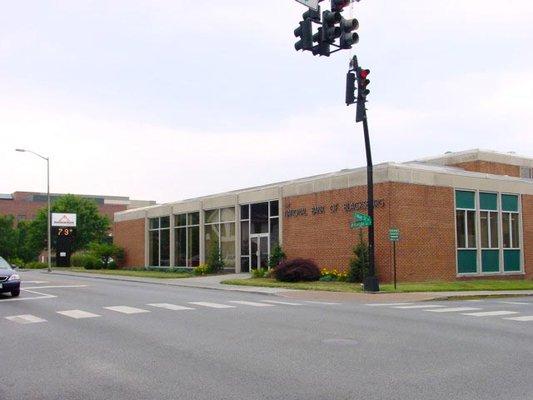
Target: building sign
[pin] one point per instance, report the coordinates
(64, 220)
(348, 207)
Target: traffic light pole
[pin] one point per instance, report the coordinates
(371, 283)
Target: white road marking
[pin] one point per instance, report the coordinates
(41, 296)
(522, 319)
(322, 302)
(252, 303)
(386, 304)
(25, 319)
(286, 303)
(454, 309)
(127, 309)
(78, 314)
(490, 313)
(514, 302)
(55, 287)
(475, 301)
(210, 305)
(419, 306)
(168, 306)
(34, 282)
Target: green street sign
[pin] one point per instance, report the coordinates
(394, 235)
(360, 221)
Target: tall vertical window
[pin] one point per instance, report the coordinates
(465, 215)
(511, 233)
(220, 229)
(489, 232)
(187, 239)
(159, 241)
(259, 219)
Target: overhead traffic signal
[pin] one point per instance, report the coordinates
(338, 5)
(305, 33)
(348, 36)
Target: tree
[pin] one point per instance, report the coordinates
(8, 237)
(215, 263)
(91, 226)
(359, 264)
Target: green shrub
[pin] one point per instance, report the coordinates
(277, 256)
(86, 260)
(259, 273)
(214, 262)
(36, 265)
(16, 262)
(359, 263)
(107, 253)
(202, 270)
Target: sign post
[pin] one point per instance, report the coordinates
(394, 236)
(64, 228)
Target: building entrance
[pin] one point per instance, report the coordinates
(259, 244)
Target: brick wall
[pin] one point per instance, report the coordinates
(130, 236)
(424, 215)
(490, 168)
(527, 223)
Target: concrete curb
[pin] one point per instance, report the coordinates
(162, 282)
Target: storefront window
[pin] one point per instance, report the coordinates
(187, 239)
(220, 229)
(159, 238)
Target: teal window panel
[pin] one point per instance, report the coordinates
(490, 260)
(467, 261)
(509, 202)
(511, 260)
(488, 201)
(465, 199)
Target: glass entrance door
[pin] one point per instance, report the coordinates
(259, 247)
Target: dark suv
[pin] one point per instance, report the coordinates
(9, 279)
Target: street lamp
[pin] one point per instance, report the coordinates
(48, 215)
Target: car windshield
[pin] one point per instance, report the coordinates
(4, 264)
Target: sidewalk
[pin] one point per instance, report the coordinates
(213, 282)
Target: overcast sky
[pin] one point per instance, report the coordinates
(173, 99)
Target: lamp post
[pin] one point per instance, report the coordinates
(48, 214)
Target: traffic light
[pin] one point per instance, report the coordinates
(362, 92)
(350, 88)
(305, 33)
(338, 5)
(348, 36)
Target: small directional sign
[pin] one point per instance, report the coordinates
(360, 221)
(394, 235)
(313, 4)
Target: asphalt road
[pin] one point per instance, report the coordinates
(72, 338)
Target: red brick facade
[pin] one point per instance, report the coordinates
(490, 168)
(23, 207)
(130, 236)
(527, 223)
(424, 214)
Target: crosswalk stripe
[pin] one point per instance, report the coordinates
(453, 309)
(419, 306)
(322, 302)
(490, 313)
(252, 303)
(127, 309)
(387, 304)
(78, 314)
(25, 319)
(168, 306)
(514, 302)
(210, 305)
(521, 319)
(286, 303)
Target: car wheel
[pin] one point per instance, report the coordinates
(15, 293)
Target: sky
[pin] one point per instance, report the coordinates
(172, 99)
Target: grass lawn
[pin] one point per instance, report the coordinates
(402, 287)
(127, 272)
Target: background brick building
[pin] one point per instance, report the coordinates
(461, 215)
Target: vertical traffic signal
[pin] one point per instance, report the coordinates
(338, 5)
(362, 92)
(305, 33)
(350, 88)
(348, 36)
